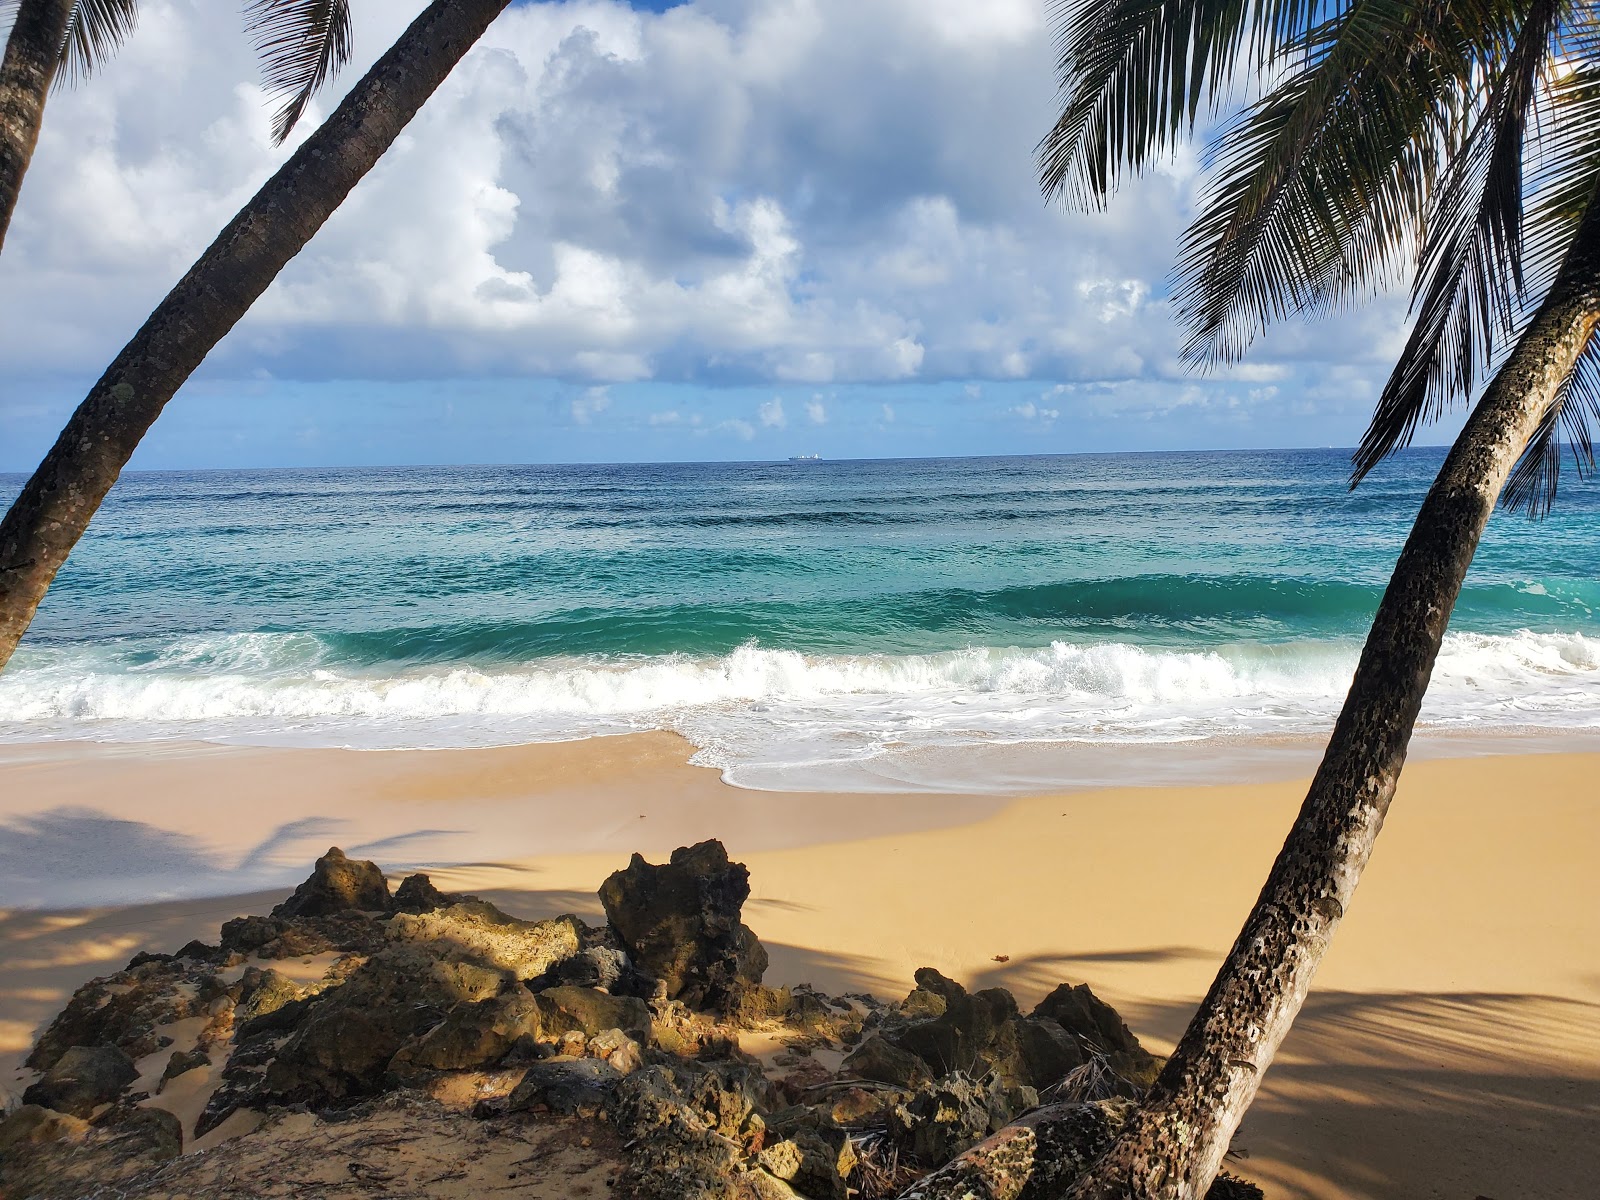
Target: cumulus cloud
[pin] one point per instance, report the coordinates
(816, 411)
(730, 191)
(771, 414)
(594, 400)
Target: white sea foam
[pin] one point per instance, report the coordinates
(758, 709)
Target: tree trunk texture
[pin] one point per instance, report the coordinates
(1041, 1155)
(33, 52)
(1173, 1146)
(57, 503)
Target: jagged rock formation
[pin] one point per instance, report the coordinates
(436, 1006)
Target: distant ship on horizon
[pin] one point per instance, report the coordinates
(805, 458)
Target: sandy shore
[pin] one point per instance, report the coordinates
(1451, 1048)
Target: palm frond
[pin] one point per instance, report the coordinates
(1322, 186)
(1575, 413)
(1470, 281)
(94, 32)
(1136, 74)
(302, 44)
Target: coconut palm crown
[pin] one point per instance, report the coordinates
(1454, 144)
(302, 44)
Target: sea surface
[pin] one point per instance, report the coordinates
(833, 624)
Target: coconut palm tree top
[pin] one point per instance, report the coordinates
(1450, 144)
(302, 44)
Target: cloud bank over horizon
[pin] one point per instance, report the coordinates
(703, 232)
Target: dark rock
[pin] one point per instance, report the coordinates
(147, 956)
(676, 1156)
(680, 922)
(124, 1010)
(50, 1156)
(1231, 1187)
(341, 1048)
(82, 1079)
(246, 935)
(596, 967)
(1100, 1030)
(566, 1086)
(882, 1061)
(269, 1002)
(476, 930)
(416, 894)
(34, 1124)
(943, 1119)
(337, 884)
(181, 1063)
(814, 1163)
(587, 1011)
(474, 1034)
(201, 952)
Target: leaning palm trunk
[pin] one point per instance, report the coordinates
(57, 503)
(1174, 1146)
(33, 52)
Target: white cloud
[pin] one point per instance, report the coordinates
(772, 414)
(1029, 411)
(888, 413)
(723, 192)
(584, 407)
(742, 430)
(816, 411)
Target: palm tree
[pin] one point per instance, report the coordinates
(56, 504)
(303, 43)
(1455, 143)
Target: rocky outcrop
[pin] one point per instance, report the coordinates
(634, 1028)
(83, 1079)
(338, 884)
(680, 922)
(477, 931)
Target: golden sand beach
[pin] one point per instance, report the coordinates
(1451, 1046)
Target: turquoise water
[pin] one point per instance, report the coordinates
(786, 617)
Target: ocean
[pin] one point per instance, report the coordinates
(804, 624)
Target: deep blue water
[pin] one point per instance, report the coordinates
(785, 613)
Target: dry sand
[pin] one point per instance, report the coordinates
(1451, 1047)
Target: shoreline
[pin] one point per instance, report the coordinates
(1451, 1044)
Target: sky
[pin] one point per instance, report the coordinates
(719, 230)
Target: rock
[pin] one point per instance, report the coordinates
(337, 884)
(475, 1034)
(944, 1118)
(126, 1009)
(56, 1157)
(676, 1156)
(616, 1048)
(596, 967)
(477, 930)
(813, 1163)
(1099, 1028)
(416, 894)
(343, 1045)
(181, 1063)
(680, 922)
(82, 1079)
(566, 1086)
(882, 1061)
(34, 1124)
(269, 1002)
(590, 1012)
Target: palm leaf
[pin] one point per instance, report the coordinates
(1320, 187)
(95, 30)
(302, 44)
(1137, 73)
(1574, 412)
(1471, 284)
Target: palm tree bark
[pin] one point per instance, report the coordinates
(33, 52)
(1174, 1146)
(57, 503)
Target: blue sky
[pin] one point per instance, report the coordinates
(732, 229)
